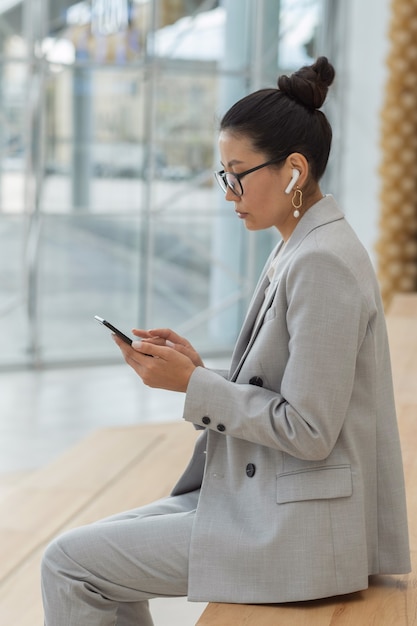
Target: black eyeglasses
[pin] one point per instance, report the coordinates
(232, 181)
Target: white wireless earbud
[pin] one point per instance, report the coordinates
(294, 178)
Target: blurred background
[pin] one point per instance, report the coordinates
(108, 139)
(109, 111)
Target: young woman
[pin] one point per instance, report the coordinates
(295, 488)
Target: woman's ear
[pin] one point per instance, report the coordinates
(298, 162)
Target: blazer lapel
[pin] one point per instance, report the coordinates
(246, 335)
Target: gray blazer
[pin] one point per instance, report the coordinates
(302, 490)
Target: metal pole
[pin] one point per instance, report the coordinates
(146, 227)
(35, 16)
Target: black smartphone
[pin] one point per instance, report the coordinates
(114, 330)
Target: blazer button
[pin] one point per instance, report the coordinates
(221, 428)
(256, 380)
(206, 420)
(250, 470)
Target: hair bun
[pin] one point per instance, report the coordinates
(309, 85)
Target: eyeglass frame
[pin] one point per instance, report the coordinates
(220, 176)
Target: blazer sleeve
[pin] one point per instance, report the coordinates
(327, 319)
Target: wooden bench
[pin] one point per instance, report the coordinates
(390, 600)
(119, 468)
(112, 470)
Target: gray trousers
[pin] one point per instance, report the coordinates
(104, 574)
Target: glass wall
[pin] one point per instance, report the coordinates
(109, 111)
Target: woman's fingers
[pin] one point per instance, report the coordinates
(168, 337)
(167, 369)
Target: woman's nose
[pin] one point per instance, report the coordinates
(230, 196)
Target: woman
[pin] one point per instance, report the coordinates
(295, 489)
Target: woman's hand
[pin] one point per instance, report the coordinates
(172, 364)
(167, 337)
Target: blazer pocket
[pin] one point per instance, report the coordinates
(319, 483)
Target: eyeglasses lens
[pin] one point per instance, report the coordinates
(233, 183)
(227, 180)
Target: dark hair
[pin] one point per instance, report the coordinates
(286, 120)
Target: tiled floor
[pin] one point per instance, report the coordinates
(44, 412)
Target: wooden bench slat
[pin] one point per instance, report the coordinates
(251, 615)
(99, 457)
(403, 305)
(144, 481)
(403, 347)
(9, 481)
(408, 435)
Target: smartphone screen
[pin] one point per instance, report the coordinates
(114, 330)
